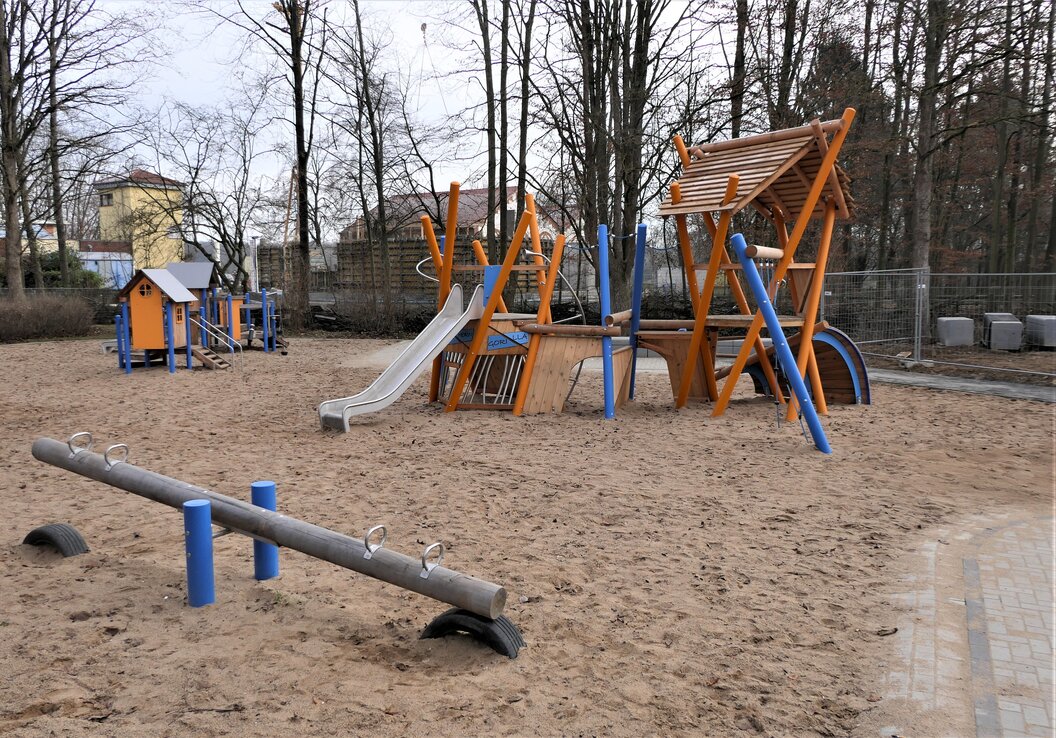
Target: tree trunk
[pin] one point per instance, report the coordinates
(995, 254)
(481, 8)
(9, 156)
(923, 185)
(297, 302)
(53, 150)
(522, 151)
(1041, 151)
(737, 84)
(504, 127)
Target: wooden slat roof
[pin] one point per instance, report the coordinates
(775, 170)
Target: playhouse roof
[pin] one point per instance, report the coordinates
(164, 281)
(194, 275)
(775, 170)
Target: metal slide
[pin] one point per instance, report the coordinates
(409, 365)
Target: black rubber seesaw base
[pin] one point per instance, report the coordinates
(500, 634)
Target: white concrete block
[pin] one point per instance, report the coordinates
(1006, 335)
(956, 331)
(1041, 330)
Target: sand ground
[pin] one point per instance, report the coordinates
(673, 574)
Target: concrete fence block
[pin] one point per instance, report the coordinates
(1041, 330)
(1006, 335)
(956, 331)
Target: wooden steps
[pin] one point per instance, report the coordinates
(209, 358)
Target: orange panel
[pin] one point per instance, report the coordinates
(146, 317)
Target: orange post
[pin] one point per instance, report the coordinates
(484, 323)
(534, 340)
(449, 241)
(810, 315)
(827, 163)
(683, 152)
(686, 248)
(718, 251)
(537, 255)
(434, 247)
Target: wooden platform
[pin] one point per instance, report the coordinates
(558, 355)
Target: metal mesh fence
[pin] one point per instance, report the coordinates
(894, 314)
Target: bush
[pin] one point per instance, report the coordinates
(44, 316)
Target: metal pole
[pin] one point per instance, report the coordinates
(198, 543)
(265, 555)
(483, 598)
(605, 301)
(203, 337)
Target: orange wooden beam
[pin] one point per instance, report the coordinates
(484, 323)
(827, 163)
(810, 314)
(535, 339)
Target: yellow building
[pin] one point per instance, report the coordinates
(145, 210)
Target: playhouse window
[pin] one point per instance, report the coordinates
(145, 290)
(179, 313)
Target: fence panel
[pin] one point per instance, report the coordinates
(893, 314)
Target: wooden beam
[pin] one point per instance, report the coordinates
(834, 178)
(830, 126)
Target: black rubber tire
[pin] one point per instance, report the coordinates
(500, 634)
(62, 537)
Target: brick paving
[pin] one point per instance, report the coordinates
(977, 642)
(1015, 570)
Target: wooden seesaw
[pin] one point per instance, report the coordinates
(478, 605)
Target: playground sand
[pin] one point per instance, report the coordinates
(673, 574)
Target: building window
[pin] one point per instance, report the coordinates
(145, 290)
(107, 198)
(174, 233)
(179, 313)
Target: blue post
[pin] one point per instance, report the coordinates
(265, 555)
(230, 317)
(781, 349)
(170, 338)
(126, 340)
(198, 532)
(274, 325)
(264, 318)
(187, 330)
(214, 307)
(120, 346)
(636, 299)
(606, 308)
(203, 337)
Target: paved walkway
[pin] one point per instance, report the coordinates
(976, 646)
(1012, 390)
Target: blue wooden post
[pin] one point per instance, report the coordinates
(170, 338)
(636, 299)
(198, 544)
(187, 331)
(265, 555)
(203, 337)
(120, 347)
(214, 307)
(264, 318)
(230, 317)
(781, 349)
(274, 325)
(606, 308)
(126, 340)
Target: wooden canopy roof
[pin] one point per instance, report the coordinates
(776, 171)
